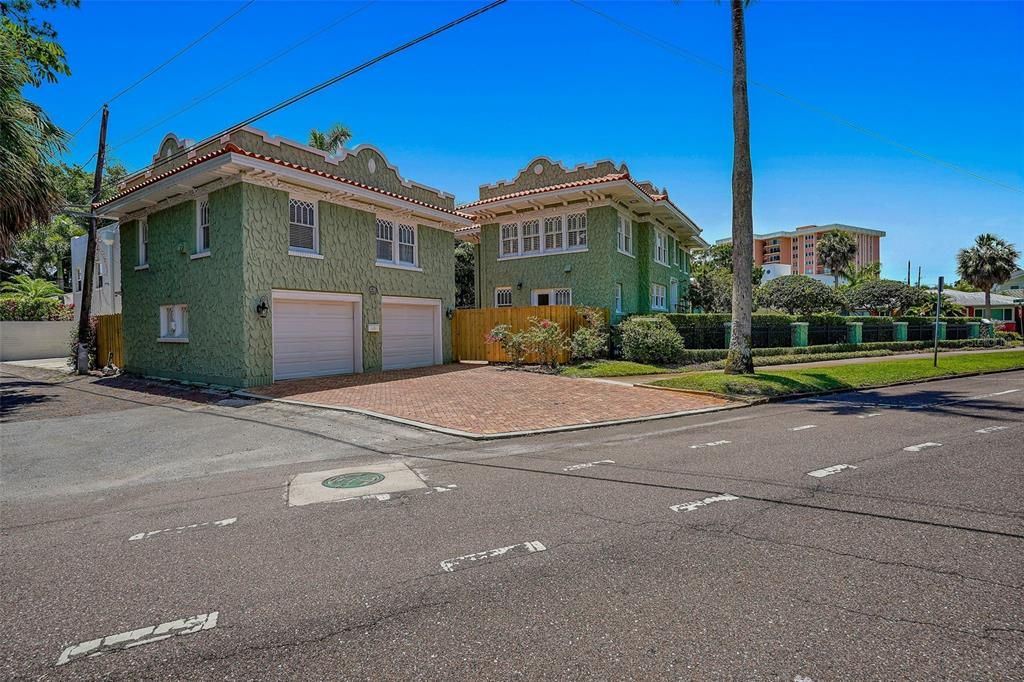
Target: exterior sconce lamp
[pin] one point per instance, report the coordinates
(449, 313)
(519, 285)
(262, 308)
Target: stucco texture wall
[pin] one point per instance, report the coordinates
(348, 244)
(211, 287)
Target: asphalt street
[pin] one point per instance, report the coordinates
(876, 535)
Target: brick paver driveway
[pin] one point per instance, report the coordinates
(486, 400)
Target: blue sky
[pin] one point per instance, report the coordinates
(474, 105)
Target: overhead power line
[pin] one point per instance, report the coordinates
(242, 76)
(160, 66)
(327, 83)
(715, 66)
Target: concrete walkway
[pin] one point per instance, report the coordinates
(52, 364)
(650, 378)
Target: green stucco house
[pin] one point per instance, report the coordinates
(253, 258)
(590, 236)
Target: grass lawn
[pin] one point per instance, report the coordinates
(786, 382)
(611, 368)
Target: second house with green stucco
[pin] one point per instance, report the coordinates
(252, 258)
(589, 236)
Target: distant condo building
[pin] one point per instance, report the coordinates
(792, 252)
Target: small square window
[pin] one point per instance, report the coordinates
(503, 297)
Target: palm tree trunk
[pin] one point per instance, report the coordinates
(739, 360)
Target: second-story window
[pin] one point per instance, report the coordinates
(625, 235)
(576, 230)
(553, 233)
(143, 242)
(303, 235)
(531, 236)
(203, 226)
(510, 239)
(396, 243)
(661, 248)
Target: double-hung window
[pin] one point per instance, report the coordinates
(657, 297)
(99, 274)
(553, 233)
(203, 225)
(661, 248)
(576, 230)
(502, 297)
(510, 239)
(303, 231)
(78, 279)
(625, 235)
(396, 243)
(618, 298)
(143, 243)
(531, 236)
(675, 251)
(174, 323)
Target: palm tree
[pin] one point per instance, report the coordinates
(858, 275)
(836, 251)
(28, 141)
(331, 140)
(740, 360)
(989, 262)
(29, 289)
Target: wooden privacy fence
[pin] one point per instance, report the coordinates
(470, 328)
(109, 339)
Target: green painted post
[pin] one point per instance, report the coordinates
(973, 330)
(940, 331)
(798, 334)
(854, 332)
(728, 333)
(899, 331)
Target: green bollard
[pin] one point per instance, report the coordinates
(899, 331)
(798, 334)
(854, 332)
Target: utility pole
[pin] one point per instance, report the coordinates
(908, 273)
(938, 312)
(918, 276)
(84, 312)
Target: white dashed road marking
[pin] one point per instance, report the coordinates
(577, 467)
(134, 638)
(922, 446)
(691, 506)
(991, 429)
(869, 415)
(828, 471)
(711, 444)
(455, 564)
(181, 529)
(804, 427)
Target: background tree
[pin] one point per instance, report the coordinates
(465, 281)
(950, 308)
(29, 289)
(836, 251)
(886, 297)
(798, 295)
(331, 140)
(964, 285)
(989, 262)
(858, 275)
(33, 42)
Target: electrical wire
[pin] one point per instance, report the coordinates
(715, 66)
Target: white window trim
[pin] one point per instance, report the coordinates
(200, 251)
(563, 215)
(664, 296)
(143, 245)
(395, 263)
(664, 236)
(177, 338)
(315, 251)
(201, 254)
(551, 293)
(499, 305)
(628, 222)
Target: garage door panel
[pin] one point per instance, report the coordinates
(313, 338)
(409, 335)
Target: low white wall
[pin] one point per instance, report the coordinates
(34, 340)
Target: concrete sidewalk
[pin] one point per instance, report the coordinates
(650, 378)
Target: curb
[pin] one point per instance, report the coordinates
(471, 435)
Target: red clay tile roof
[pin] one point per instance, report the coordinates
(230, 147)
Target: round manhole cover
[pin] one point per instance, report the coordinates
(357, 480)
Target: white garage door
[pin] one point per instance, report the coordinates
(409, 335)
(313, 338)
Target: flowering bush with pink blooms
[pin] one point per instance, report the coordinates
(514, 344)
(547, 340)
(17, 308)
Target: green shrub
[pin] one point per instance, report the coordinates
(591, 340)
(546, 339)
(1008, 336)
(514, 344)
(651, 340)
(19, 309)
(693, 356)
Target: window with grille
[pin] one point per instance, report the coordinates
(553, 236)
(531, 236)
(625, 235)
(302, 226)
(396, 243)
(202, 226)
(503, 297)
(143, 242)
(563, 296)
(407, 244)
(174, 322)
(385, 240)
(510, 239)
(576, 230)
(657, 297)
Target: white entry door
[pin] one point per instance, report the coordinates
(315, 336)
(411, 332)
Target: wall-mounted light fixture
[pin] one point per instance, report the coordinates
(262, 308)
(449, 313)
(519, 285)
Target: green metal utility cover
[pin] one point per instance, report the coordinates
(356, 480)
